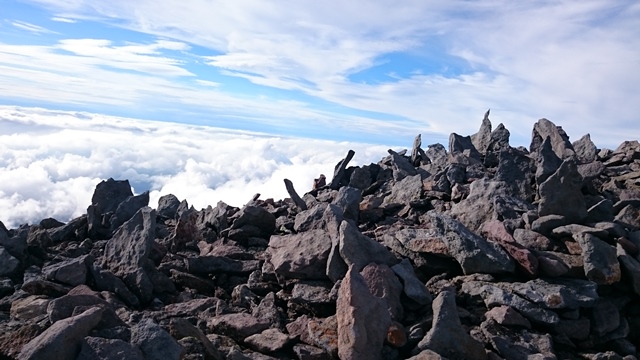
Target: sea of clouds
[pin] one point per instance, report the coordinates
(51, 162)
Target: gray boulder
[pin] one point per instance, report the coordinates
(473, 253)
(600, 259)
(585, 149)
(303, 255)
(447, 337)
(128, 208)
(359, 250)
(97, 348)
(63, 339)
(413, 287)
(559, 139)
(154, 342)
(168, 206)
(561, 194)
(126, 253)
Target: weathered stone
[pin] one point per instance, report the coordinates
(545, 224)
(600, 260)
(323, 333)
(437, 155)
(62, 307)
(128, 208)
(29, 307)
(359, 250)
(348, 200)
(427, 355)
(308, 352)
(631, 267)
(474, 253)
(363, 319)
(238, 326)
(447, 336)
(532, 240)
(459, 144)
(514, 168)
(217, 264)
(181, 328)
(488, 200)
(63, 339)
(268, 341)
(96, 348)
(482, 138)
(405, 191)
(8, 263)
(547, 161)
(518, 344)
(154, 342)
(585, 149)
(560, 194)
(303, 255)
(558, 293)
(168, 206)
(426, 241)
(559, 139)
(258, 217)
(107, 281)
(494, 296)
(383, 283)
(412, 286)
(499, 140)
(68, 231)
(126, 253)
(338, 174)
(601, 211)
(401, 166)
(495, 231)
(629, 217)
(71, 272)
(297, 200)
(507, 316)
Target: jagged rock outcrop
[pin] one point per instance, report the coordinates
(483, 252)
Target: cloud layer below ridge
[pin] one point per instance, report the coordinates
(52, 161)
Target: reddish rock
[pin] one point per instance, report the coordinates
(495, 231)
(363, 319)
(396, 336)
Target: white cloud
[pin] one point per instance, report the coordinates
(52, 161)
(36, 29)
(63, 19)
(572, 62)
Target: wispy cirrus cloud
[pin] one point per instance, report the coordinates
(23, 25)
(428, 65)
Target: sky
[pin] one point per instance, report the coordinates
(292, 76)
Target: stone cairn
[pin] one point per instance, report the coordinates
(478, 251)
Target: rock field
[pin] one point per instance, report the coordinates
(479, 251)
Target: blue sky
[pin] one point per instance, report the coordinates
(250, 92)
(364, 71)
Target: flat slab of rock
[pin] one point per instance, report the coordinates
(383, 283)
(238, 326)
(63, 339)
(363, 319)
(473, 253)
(447, 336)
(301, 256)
(268, 341)
(218, 264)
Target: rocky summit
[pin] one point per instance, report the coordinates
(478, 250)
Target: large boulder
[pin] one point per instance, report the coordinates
(559, 139)
(561, 194)
(359, 250)
(63, 339)
(447, 337)
(363, 320)
(473, 253)
(127, 252)
(303, 255)
(154, 342)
